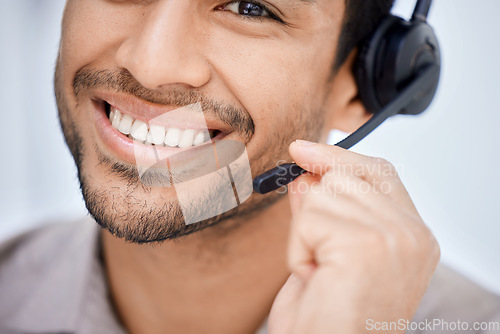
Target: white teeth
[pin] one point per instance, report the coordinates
(186, 138)
(115, 120)
(149, 139)
(157, 133)
(139, 130)
(200, 138)
(172, 137)
(125, 124)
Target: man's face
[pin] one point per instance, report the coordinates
(261, 74)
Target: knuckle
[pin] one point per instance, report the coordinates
(434, 248)
(374, 238)
(385, 167)
(425, 244)
(381, 161)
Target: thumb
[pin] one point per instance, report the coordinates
(314, 157)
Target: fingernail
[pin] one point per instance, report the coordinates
(304, 142)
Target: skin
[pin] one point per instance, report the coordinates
(225, 276)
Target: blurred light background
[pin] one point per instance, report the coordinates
(448, 157)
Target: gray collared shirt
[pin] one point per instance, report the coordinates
(52, 281)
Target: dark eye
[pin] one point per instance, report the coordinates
(248, 8)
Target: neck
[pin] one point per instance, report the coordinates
(206, 282)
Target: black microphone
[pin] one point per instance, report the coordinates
(283, 174)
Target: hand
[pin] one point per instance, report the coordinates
(358, 249)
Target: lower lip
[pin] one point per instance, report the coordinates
(127, 150)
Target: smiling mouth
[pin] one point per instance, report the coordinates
(159, 135)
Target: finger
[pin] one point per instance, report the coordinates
(321, 158)
(348, 199)
(351, 201)
(284, 310)
(320, 310)
(300, 255)
(312, 233)
(335, 214)
(328, 222)
(313, 221)
(298, 188)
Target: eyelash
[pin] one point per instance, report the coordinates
(269, 12)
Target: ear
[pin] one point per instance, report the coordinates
(345, 111)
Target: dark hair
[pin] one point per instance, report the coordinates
(360, 20)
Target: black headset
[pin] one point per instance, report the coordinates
(397, 72)
(396, 53)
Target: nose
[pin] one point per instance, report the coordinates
(166, 47)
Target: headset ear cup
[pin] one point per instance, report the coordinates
(365, 65)
(391, 59)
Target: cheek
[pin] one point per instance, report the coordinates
(273, 79)
(280, 83)
(92, 31)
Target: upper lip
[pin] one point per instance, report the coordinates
(147, 112)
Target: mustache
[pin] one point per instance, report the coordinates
(122, 81)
